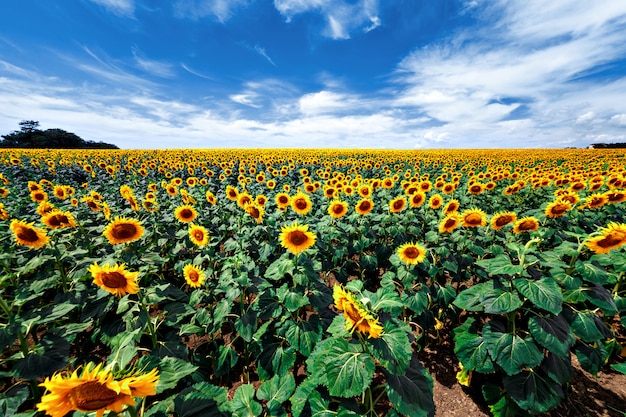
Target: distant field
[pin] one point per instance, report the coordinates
(305, 282)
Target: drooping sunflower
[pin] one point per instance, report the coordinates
(185, 213)
(474, 217)
(557, 208)
(356, 314)
(396, 205)
(449, 223)
(194, 276)
(595, 201)
(4, 214)
(93, 389)
(123, 230)
(525, 224)
(337, 209)
(411, 253)
(301, 203)
(26, 234)
(499, 220)
(364, 206)
(198, 235)
(115, 279)
(611, 237)
(210, 197)
(57, 219)
(255, 210)
(296, 238)
(45, 207)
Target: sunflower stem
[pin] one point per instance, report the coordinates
(151, 327)
(64, 277)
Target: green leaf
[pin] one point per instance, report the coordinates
(292, 300)
(348, 370)
(592, 272)
(277, 390)
(500, 265)
(393, 349)
(558, 368)
(584, 326)
(591, 358)
(544, 293)
(57, 311)
(497, 301)
(12, 399)
(471, 299)
(418, 301)
(275, 359)
(243, 403)
(49, 356)
(533, 392)
(246, 325)
(386, 300)
(171, 371)
(411, 393)
(471, 349)
(619, 367)
(203, 400)
(303, 335)
(301, 396)
(510, 351)
(279, 268)
(553, 333)
(226, 359)
(601, 297)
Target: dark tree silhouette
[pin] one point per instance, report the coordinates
(29, 136)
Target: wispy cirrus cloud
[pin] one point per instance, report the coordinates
(342, 18)
(222, 10)
(118, 7)
(152, 66)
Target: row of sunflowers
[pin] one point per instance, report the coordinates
(305, 282)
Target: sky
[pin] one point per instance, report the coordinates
(389, 74)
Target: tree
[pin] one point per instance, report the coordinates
(29, 136)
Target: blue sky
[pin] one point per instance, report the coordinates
(395, 74)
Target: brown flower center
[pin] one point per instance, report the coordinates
(473, 219)
(527, 225)
(449, 223)
(503, 220)
(193, 276)
(124, 231)
(365, 206)
(559, 209)
(417, 199)
(198, 235)
(113, 279)
(91, 396)
(337, 209)
(301, 204)
(411, 252)
(298, 237)
(283, 199)
(28, 235)
(612, 239)
(398, 205)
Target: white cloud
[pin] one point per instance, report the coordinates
(342, 18)
(222, 10)
(118, 7)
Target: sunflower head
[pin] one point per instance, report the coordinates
(364, 206)
(115, 279)
(185, 213)
(357, 316)
(296, 238)
(611, 237)
(473, 218)
(449, 223)
(26, 234)
(194, 276)
(417, 199)
(557, 208)
(301, 203)
(337, 208)
(123, 230)
(198, 235)
(411, 253)
(397, 204)
(57, 219)
(499, 220)
(526, 224)
(256, 211)
(435, 201)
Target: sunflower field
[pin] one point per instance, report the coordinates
(305, 282)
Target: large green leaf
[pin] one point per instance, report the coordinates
(292, 300)
(592, 272)
(533, 392)
(500, 265)
(601, 297)
(243, 403)
(171, 371)
(301, 395)
(393, 349)
(544, 293)
(280, 267)
(510, 351)
(303, 335)
(50, 355)
(275, 359)
(348, 371)
(277, 390)
(12, 399)
(471, 299)
(584, 326)
(412, 393)
(471, 349)
(591, 358)
(558, 368)
(416, 301)
(203, 400)
(246, 325)
(498, 301)
(226, 359)
(553, 333)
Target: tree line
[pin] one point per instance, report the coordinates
(30, 136)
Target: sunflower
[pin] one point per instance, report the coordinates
(473, 218)
(115, 279)
(356, 315)
(243, 199)
(451, 206)
(364, 206)
(596, 200)
(57, 219)
(194, 276)
(4, 214)
(526, 224)
(448, 188)
(185, 213)
(557, 208)
(476, 188)
(171, 190)
(365, 190)
(26, 234)
(397, 204)
(231, 193)
(60, 192)
(150, 205)
(611, 237)
(94, 390)
(615, 196)
(411, 253)
(296, 238)
(449, 223)
(38, 196)
(435, 201)
(301, 203)
(123, 230)
(282, 200)
(499, 220)
(256, 211)
(198, 235)
(417, 199)
(210, 197)
(337, 209)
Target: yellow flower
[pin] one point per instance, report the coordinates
(417, 199)
(256, 211)
(499, 220)
(464, 376)
(296, 238)
(94, 390)
(473, 218)
(525, 224)
(337, 209)
(123, 230)
(115, 279)
(451, 206)
(435, 201)
(356, 315)
(198, 235)
(364, 206)
(194, 276)
(557, 208)
(411, 253)
(185, 213)
(282, 200)
(57, 219)
(26, 234)
(301, 203)
(611, 237)
(449, 223)
(397, 204)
